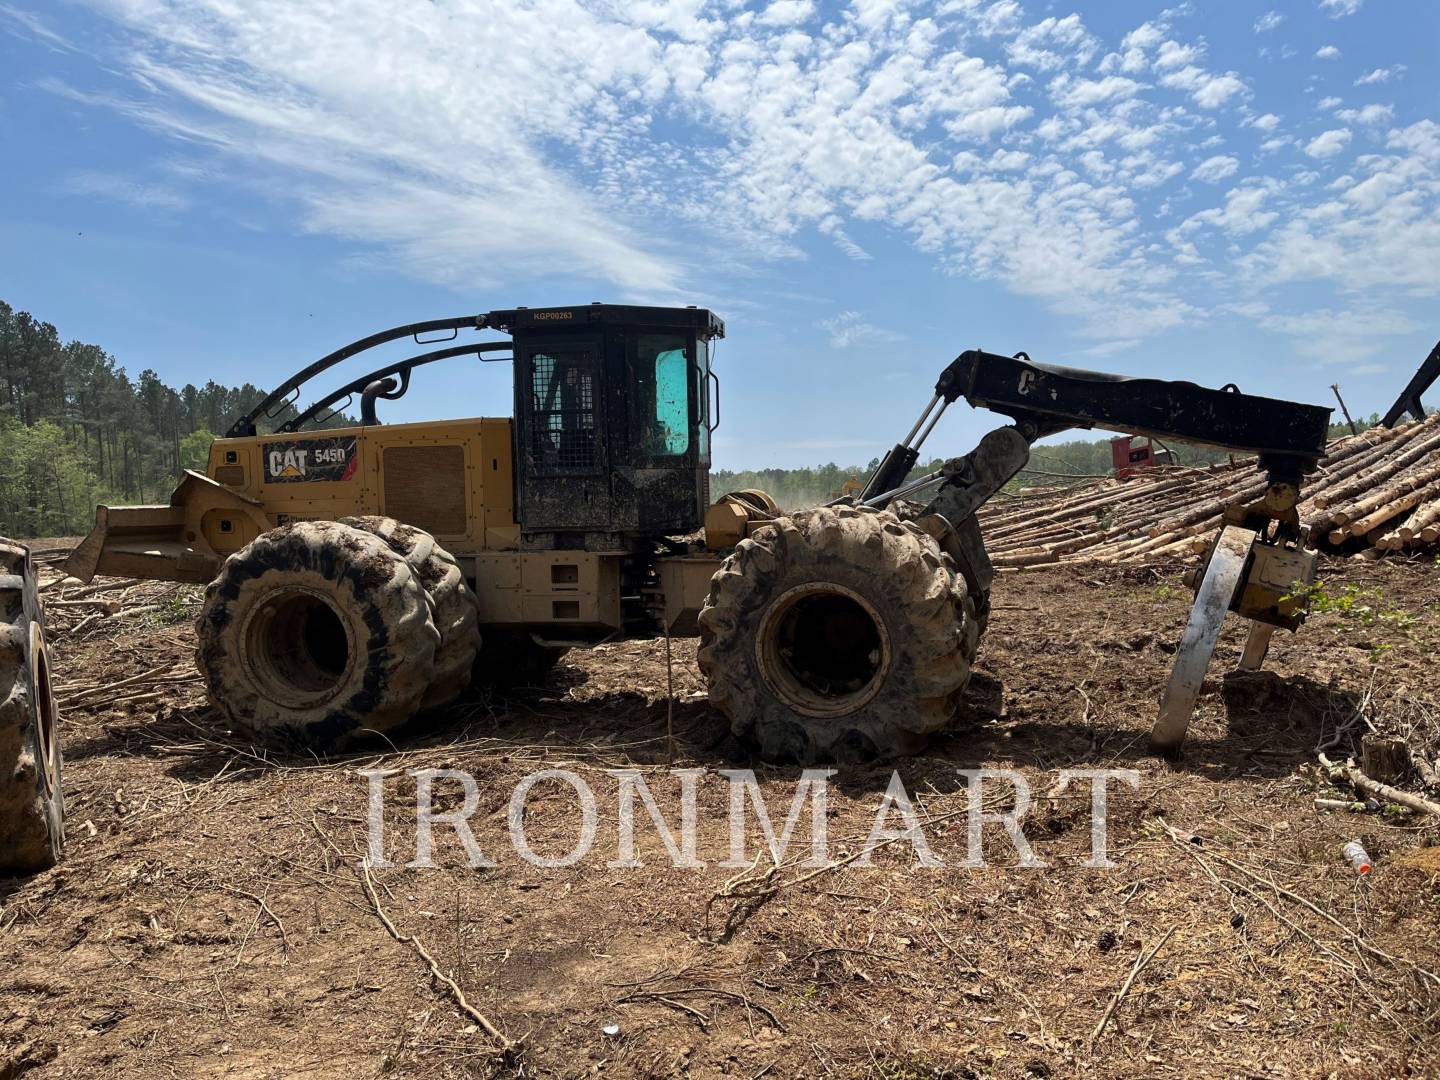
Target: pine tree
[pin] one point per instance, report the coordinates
(75, 429)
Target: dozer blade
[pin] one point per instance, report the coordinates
(161, 543)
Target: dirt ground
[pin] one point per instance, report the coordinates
(212, 918)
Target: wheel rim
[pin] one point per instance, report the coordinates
(823, 649)
(46, 734)
(298, 647)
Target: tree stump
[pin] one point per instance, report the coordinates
(1384, 758)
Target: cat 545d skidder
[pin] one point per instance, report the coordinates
(358, 575)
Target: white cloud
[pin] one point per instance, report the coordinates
(1052, 43)
(1173, 55)
(1370, 114)
(1071, 93)
(1328, 103)
(1133, 56)
(832, 227)
(1338, 8)
(787, 12)
(1327, 52)
(983, 123)
(1145, 36)
(1151, 173)
(657, 139)
(21, 22)
(1213, 170)
(1246, 211)
(1378, 237)
(1209, 91)
(1380, 75)
(1340, 337)
(849, 328)
(146, 196)
(1329, 143)
(1008, 160)
(1269, 21)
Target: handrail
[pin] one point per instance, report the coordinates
(245, 426)
(401, 368)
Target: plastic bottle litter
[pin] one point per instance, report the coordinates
(1356, 855)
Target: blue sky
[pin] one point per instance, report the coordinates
(1220, 192)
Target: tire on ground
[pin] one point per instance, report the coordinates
(316, 632)
(32, 805)
(454, 609)
(837, 634)
(513, 658)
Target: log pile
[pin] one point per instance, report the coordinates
(1375, 492)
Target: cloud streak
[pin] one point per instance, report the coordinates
(649, 141)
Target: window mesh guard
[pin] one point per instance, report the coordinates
(562, 429)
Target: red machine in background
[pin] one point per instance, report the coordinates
(1130, 454)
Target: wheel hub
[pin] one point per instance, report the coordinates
(823, 649)
(298, 647)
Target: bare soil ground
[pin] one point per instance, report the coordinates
(212, 918)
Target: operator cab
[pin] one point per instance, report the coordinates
(613, 419)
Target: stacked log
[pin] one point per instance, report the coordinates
(1375, 492)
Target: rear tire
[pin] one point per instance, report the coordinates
(316, 632)
(840, 633)
(454, 609)
(32, 804)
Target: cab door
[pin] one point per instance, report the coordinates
(561, 442)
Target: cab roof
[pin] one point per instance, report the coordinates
(705, 323)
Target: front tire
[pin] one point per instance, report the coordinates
(840, 633)
(453, 606)
(314, 633)
(32, 804)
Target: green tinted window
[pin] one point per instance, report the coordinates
(662, 399)
(672, 402)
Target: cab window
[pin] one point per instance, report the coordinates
(562, 410)
(661, 397)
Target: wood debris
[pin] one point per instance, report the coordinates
(1375, 492)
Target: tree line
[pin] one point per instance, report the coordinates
(76, 429)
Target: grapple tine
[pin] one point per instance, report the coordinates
(1217, 591)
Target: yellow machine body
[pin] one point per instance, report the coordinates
(452, 478)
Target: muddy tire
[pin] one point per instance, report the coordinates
(511, 658)
(314, 633)
(32, 804)
(837, 634)
(453, 607)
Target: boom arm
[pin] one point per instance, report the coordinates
(1409, 399)
(1056, 398)
(1042, 400)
